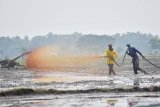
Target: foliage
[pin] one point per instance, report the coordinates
(79, 43)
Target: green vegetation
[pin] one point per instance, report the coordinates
(76, 42)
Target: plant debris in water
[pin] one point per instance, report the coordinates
(25, 91)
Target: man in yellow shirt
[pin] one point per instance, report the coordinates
(110, 55)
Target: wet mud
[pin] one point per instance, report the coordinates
(86, 85)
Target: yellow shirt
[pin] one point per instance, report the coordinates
(110, 55)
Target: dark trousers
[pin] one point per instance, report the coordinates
(111, 69)
(136, 67)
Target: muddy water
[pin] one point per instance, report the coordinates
(89, 76)
(78, 81)
(83, 100)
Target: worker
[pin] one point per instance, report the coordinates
(135, 60)
(110, 55)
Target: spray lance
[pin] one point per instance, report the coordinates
(113, 60)
(109, 57)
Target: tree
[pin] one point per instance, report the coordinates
(155, 42)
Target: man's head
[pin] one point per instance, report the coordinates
(128, 45)
(110, 47)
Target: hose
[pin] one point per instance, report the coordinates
(124, 58)
(149, 61)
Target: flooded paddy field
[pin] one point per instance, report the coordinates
(83, 100)
(86, 85)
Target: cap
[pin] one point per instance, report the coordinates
(110, 45)
(128, 45)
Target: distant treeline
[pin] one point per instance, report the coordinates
(79, 43)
